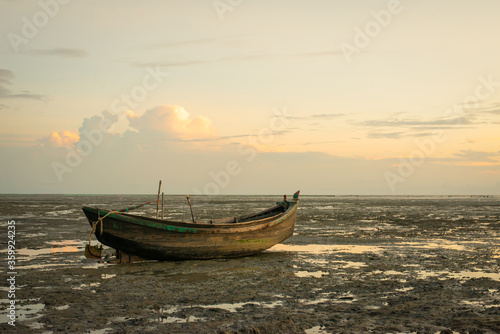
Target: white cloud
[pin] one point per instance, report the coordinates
(173, 122)
(60, 139)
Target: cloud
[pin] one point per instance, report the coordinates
(437, 123)
(493, 108)
(60, 139)
(16, 139)
(246, 57)
(6, 78)
(25, 95)
(172, 122)
(407, 127)
(174, 63)
(58, 52)
(391, 135)
(263, 56)
(199, 41)
(326, 116)
(472, 155)
(320, 142)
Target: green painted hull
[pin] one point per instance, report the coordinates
(159, 239)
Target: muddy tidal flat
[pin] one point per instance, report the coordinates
(372, 264)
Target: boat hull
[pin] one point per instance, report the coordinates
(166, 240)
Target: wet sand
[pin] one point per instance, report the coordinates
(355, 264)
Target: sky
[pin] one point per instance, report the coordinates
(361, 97)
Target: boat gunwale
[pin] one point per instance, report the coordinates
(206, 225)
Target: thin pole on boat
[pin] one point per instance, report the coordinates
(191, 207)
(158, 200)
(162, 205)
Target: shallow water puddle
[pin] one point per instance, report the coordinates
(314, 301)
(90, 285)
(316, 274)
(96, 265)
(47, 266)
(44, 251)
(437, 243)
(67, 243)
(233, 308)
(107, 276)
(316, 330)
(475, 274)
(101, 331)
(24, 312)
(318, 249)
(462, 276)
(32, 253)
(360, 249)
(442, 275)
(351, 264)
(316, 261)
(335, 264)
(35, 325)
(57, 247)
(482, 304)
(165, 317)
(49, 258)
(329, 297)
(496, 254)
(348, 264)
(171, 320)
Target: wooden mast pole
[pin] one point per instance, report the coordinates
(189, 201)
(158, 200)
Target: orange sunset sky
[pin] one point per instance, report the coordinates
(250, 97)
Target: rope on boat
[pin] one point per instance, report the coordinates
(100, 220)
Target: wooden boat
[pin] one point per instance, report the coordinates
(159, 239)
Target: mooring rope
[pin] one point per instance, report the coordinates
(100, 219)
